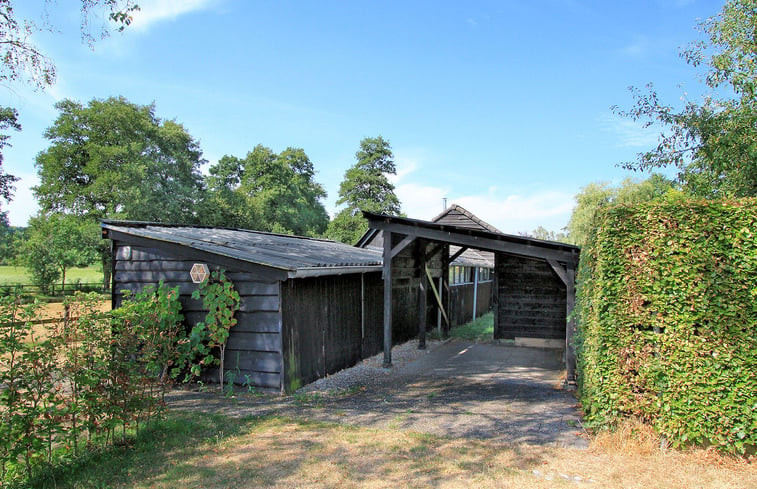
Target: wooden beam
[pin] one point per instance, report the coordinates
(560, 271)
(402, 245)
(458, 253)
(387, 299)
(495, 243)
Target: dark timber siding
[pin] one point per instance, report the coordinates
(254, 349)
(324, 327)
(531, 297)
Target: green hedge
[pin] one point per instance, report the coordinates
(667, 310)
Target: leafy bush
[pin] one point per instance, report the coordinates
(81, 378)
(667, 307)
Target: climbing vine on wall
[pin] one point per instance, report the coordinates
(222, 302)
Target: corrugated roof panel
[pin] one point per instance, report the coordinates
(273, 250)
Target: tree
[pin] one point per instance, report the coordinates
(116, 159)
(8, 120)
(366, 187)
(596, 195)
(25, 62)
(266, 191)
(543, 233)
(712, 143)
(56, 243)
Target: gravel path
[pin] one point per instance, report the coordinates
(454, 388)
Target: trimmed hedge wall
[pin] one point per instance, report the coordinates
(667, 310)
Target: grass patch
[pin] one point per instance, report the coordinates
(10, 275)
(159, 453)
(209, 451)
(480, 329)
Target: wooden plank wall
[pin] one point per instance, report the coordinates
(531, 299)
(254, 349)
(406, 276)
(325, 328)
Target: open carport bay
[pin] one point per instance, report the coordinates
(457, 389)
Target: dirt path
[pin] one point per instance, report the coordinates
(457, 389)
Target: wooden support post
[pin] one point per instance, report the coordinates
(422, 288)
(444, 290)
(497, 332)
(387, 299)
(475, 291)
(570, 329)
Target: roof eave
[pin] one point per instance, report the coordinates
(323, 271)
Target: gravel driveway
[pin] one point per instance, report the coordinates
(455, 388)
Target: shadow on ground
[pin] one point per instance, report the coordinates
(460, 389)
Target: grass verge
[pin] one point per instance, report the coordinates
(480, 329)
(187, 450)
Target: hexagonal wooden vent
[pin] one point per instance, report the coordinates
(199, 272)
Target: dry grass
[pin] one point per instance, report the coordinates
(288, 453)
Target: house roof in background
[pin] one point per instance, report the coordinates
(457, 215)
(296, 255)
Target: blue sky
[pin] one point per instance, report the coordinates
(500, 106)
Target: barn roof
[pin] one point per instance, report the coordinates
(296, 255)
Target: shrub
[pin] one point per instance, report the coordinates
(667, 308)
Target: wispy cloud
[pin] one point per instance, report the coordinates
(511, 213)
(154, 11)
(629, 134)
(638, 48)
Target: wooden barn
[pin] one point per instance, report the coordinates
(534, 280)
(470, 285)
(309, 307)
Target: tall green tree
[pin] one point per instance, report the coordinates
(55, 243)
(8, 120)
(267, 192)
(712, 142)
(115, 159)
(366, 187)
(596, 195)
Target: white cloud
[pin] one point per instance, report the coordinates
(630, 134)
(510, 213)
(523, 212)
(154, 11)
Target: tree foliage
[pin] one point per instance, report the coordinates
(25, 62)
(267, 192)
(366, 187)
(594, 196)
(56, 243)
(8, 120)
(115, 159)
(713, 143)
(545, 234)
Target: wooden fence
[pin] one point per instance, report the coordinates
(54, 290)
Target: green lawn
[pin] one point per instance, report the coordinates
(481, 329)
(19, 275)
